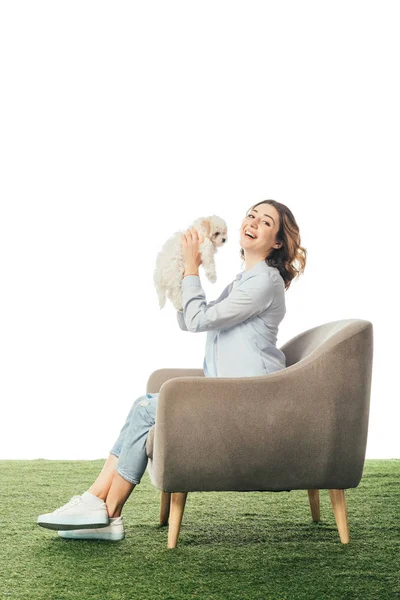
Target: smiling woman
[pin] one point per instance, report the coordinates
(242, 324)
(276, 239)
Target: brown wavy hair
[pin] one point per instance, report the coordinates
(290, 259)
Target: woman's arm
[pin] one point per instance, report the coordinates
(251, 297)
(181, 320)
(180, 313)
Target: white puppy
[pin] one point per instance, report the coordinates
(170, 266)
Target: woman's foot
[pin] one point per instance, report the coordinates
(80, 512)
(114, 532)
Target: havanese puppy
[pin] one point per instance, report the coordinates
(170, 266)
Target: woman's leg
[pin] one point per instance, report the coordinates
(102, 484)
(119, 493)
(121, 489)
(133, 458)
(120, 474)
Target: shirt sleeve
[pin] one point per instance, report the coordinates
(180, 313)
(251, 297)
(181, 320)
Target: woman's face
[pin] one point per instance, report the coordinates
(263, 222)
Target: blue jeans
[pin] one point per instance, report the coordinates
(130, 447)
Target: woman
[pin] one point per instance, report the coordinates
(242, 326)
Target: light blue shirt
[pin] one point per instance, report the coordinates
(241, 325)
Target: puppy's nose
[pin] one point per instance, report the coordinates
(223, 240)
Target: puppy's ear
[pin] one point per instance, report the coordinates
(206, 227)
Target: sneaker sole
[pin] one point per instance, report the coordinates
(74, 523)
(110, 537)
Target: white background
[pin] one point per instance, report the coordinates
(123, 122)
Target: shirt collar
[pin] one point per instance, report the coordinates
(259, 267)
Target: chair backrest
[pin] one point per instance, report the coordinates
(336, 361)
(323, 337)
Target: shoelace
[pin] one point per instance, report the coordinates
(69, 503)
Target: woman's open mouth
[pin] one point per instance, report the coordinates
(249, 234)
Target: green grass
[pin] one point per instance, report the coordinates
(231, 545)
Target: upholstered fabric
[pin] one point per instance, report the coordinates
(303, 427)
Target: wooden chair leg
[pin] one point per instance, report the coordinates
(338, 501)
(164, 508)
(313, 498)
(178, 502)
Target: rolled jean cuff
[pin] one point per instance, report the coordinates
(127, 477)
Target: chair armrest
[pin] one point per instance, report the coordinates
(160, 376)
(297, 428)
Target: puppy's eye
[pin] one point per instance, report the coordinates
(217, 233)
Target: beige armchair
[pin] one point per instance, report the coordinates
(302, 428)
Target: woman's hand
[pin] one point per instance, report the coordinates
(190, 249)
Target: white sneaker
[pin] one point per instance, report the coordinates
(80, 512)
(114, 532)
